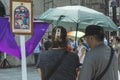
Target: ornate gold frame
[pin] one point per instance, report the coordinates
(21, 16)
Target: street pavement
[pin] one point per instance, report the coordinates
(16, 73)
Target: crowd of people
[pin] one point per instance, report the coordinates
(88, 58)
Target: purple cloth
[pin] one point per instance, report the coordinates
(8, 43)
(39, 30)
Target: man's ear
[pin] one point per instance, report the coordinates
(92, 37)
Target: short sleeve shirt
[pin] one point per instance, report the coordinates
(96, 61)
(37, 48)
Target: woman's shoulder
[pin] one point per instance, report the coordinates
(72, 55)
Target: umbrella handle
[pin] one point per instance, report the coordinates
(61, 17)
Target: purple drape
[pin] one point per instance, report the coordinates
(8, 43)
(39, 30)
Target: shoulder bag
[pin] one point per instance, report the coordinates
(56, 65)
(107, 67)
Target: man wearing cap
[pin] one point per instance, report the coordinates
(98, 57)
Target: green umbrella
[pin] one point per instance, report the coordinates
(77, 16)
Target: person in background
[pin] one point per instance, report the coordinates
(37, 50)
(97, 59)
(81, 50)
(105, 41)
(48, 43)
(49, 38)
(58, 63)
(73, 43)
(116, 47)
(69, 48)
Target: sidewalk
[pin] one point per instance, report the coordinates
(16, 74)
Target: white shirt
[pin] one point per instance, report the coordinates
(37, 48)
(80, 47)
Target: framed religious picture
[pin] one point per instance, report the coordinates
(21, 16)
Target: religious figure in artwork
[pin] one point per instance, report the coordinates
(21, 18)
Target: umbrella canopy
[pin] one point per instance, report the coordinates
(73, 34)
(77, 16)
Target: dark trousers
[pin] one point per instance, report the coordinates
(36, 57)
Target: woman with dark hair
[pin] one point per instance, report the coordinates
(81, 50)
(57, 63)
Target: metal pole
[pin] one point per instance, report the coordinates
(76, 33)
(5, 55)
(23, 57)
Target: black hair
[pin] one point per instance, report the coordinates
(49, 36)
(80, 39)
(47, 45)
(59, 37)
(96, 31)
(117, 38)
